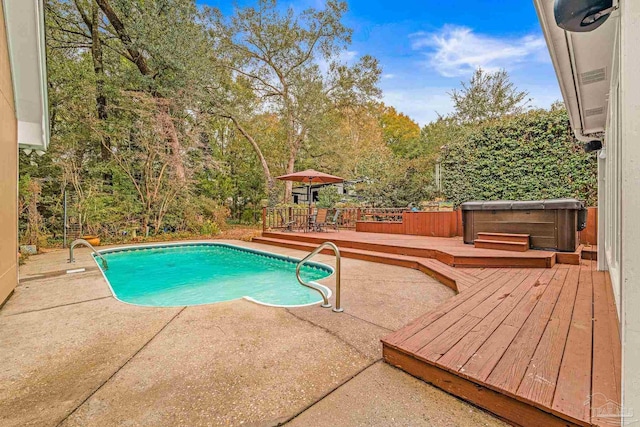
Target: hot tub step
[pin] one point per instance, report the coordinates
(501, 245)
(504, 237)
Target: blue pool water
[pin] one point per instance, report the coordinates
(192, 274)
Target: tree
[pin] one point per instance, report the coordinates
(487, 96)
(142, 155)
(271, 63)
(328, 197)
(399, 132)
(391, 181)
(149, 33)
(77, 26)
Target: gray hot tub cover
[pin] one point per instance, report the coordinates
(505, 205)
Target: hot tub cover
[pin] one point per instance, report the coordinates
(505, 205)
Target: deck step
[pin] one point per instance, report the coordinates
(590, 253)
(452, 277)
(501, 245)
(572, 258)
(504, 237)
(473, 258)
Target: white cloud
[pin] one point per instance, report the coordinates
(347, 56)
(457, 51)
(388, 76)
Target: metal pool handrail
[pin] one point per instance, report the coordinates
(87, 244)
(317, 250)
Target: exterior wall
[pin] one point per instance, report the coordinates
(8, 173)
(619, 198)
(629, 237)
(609, 181)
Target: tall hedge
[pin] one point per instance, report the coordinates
(525, 157)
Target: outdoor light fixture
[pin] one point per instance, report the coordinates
(581, 16)
(594, 145)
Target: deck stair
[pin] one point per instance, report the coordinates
(503, 241)
(454, 278)
(452, 252)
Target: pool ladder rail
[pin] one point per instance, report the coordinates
(325, 299)
(87, 244)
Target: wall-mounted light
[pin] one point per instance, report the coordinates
(581, 16)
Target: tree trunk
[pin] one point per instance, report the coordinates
(98, 68)
(270, 186)
(169, 129)
(146, 217)
(134, 54)
(288, 188)
(272, 193)
(294, 142)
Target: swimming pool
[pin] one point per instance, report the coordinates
(171, 275)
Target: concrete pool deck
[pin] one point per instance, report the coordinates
(72, 355)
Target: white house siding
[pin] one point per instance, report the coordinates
(8, 173)
(628, 162)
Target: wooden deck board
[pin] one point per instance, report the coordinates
(508, 373)
(425, 335)
(574, 378)
(458, 355)
(539, 382)
(482, 362)
(605, 381)
(421, 322)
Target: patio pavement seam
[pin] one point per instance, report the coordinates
(368, 321)
(121, 366)
(57, 306)
(329, 393)
(330, 332)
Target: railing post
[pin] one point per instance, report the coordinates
(337, 308)
(264, 219)
(316, 251)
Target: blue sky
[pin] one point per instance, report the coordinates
(426, 48)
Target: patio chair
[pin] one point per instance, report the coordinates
(333, 223)
(320, 220)
(288, 225)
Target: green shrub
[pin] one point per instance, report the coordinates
(525, 157)
(209, 228)
(328, 197)
(248, 216)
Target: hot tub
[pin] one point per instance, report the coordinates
(551, 224)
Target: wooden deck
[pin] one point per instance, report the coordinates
(530, 345)
(534, 342)
(448, 250)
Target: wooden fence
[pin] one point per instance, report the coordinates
(589, 236)
(295, 218)
(435, 224)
